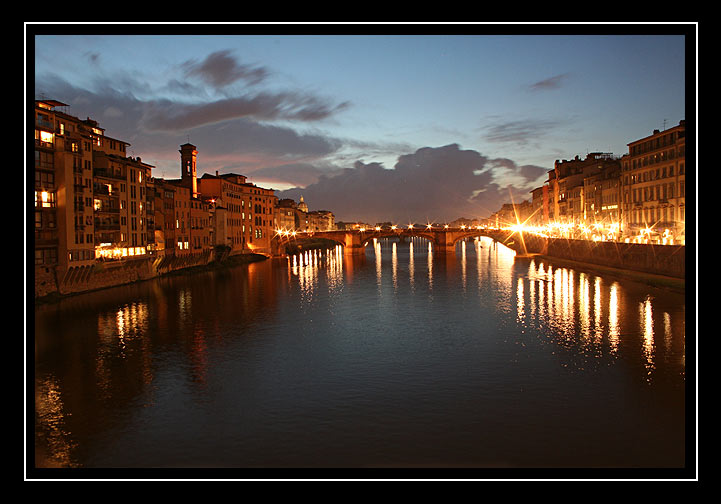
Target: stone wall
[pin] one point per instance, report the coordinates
(102, 275)
(667, 260)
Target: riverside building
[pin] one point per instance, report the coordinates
(91, 199)
(95, 204)
(248, 212)
(653, 186)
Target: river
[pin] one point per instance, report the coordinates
(398, 359)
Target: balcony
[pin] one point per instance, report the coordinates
(42, 123)
(106, 210)
(46, 238)
(101, 172)
(107, 226)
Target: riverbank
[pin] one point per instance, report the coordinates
(145, 272)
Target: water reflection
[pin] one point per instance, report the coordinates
(580, 311)
(323, 339)
(613, 324)
(573, 308)
(646, 320)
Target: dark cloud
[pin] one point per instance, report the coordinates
(220, 69)
(166, 115)
(246, 137)
(296, 174)
(548, 84)
(93, 57)
(519, 132)
(231, 143)
(438, 184)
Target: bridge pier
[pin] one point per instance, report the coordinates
(444, 244)
(354, 250)
(353, 245)
(444, 249)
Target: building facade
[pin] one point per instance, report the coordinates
(293, 216)
(94, 203)
(568, 189)
(248, 221)
(653, 184)
(91, 199)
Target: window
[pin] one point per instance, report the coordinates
(44, 199)
(44, 160)
(44, 179)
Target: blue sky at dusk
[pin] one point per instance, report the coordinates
(371, 127)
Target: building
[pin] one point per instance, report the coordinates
(602, 198)
(539, 206)
(91, 199)
(248, 222)
(187, 224)
(653, 185)
(286, 217)
(290, 216)
(567, 189)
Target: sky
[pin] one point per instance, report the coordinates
(400, 128)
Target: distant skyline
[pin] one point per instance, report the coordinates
(371, 127)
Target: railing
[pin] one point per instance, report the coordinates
(99, 172)
(107, 210)
(40, 143)
(107, 226)
(44, 124)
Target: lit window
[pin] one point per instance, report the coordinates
(46, 137)
(44, 199)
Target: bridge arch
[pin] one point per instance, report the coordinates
(354, 241)
(367, 237)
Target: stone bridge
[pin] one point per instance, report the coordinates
(354, 241)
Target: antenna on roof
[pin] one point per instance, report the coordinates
(664, 125)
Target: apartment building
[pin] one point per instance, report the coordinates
(90, 198)
(248, 217)
(539, 206)
(295, 216)
(653, 183)
(603, 196)
(567, 188)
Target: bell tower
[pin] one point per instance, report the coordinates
(188, 155)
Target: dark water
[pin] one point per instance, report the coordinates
(396, 359)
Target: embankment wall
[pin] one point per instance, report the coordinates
(49, 282)
(666, 260)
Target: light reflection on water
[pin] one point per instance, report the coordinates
(323, 339)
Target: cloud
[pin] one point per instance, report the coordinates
(437, 184)
(231, 143)
(295, 174)
(167, 115)
(219, 69)
(519, 132)
(93, 57)
(548, 84)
